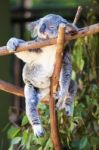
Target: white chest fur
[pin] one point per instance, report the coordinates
(46, 58)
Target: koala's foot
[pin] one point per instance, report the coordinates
(68, 110)
(13, 43)
(38, 130)
(62, 100)
(64, 103)
(60, 104)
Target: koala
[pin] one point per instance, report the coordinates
(39, 66)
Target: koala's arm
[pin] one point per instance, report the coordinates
(13, 43)
(68, 87)
(25, 56)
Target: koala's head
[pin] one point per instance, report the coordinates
(47, 27)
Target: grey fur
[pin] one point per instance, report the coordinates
(39, 68)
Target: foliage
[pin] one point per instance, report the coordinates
(81, 130)
(23, 135)
(50, 3)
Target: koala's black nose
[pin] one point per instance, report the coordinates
(43, 27)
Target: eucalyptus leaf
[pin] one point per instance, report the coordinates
(16, 140)
(83, 143)
(12, 132)
(28, 145)
(24, 120)
(11, 147)
(25, 137)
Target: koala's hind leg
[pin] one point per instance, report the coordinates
(65, 78)
(31, 100)
(72, 92)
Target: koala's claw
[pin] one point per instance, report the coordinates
(12, 44)
(38, 130)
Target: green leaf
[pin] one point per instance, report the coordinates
(72, 126)
(48, 144)
(16, 140)
(29, 141)
(75, 143)
(24, 120)
(25, 137)
(83, 142)
(40, 148)
(94, 140)
(11, 147)
(81, 65)
(73, 75)
(12, 132)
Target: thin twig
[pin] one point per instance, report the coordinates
(77, 16)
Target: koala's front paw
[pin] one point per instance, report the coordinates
(38, 130)
(12, 44)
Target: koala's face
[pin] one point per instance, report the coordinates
(47, 27)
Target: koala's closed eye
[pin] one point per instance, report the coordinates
(52, 27)
(43, 27)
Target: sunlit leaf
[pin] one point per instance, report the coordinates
(29, 141)
(25, 137)
(12, 132)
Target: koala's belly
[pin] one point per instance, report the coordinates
(39, 71)
(35, 74)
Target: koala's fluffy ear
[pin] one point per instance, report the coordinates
(70, 28)
(32, 27)
(64, 21)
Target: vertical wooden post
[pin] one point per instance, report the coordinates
(54, 85)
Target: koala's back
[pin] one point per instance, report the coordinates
(39, 68)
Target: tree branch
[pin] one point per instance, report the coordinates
(54, 86)
(92, 29)
(16, 90)
(10, 88)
